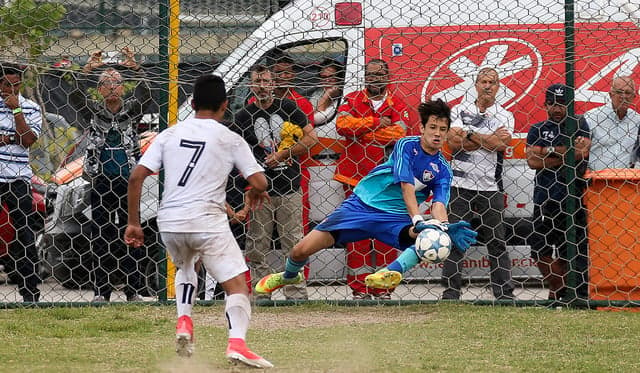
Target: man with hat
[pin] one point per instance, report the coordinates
(547, 145)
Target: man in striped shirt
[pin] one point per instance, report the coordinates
(20, 125)
(480, 132)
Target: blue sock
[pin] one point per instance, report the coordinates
(292, 268)
(407, 260)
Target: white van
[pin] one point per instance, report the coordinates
(433, 49)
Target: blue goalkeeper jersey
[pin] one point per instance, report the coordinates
(430, 174)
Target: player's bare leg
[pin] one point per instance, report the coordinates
(309, 245)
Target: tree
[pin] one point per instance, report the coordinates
(25, 31)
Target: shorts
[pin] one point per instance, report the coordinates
(355, 221)
(219, 251)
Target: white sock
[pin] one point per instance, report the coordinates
(186, 289)
(238, 312)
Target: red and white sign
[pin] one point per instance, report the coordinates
(441, 62)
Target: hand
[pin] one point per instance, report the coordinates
(241, 215)
(11, 101)
(274, 159)
(502, 133)
(134, 236)
(253, 200)
(129, 58)
(95, 61)
(385, 121)
(333, 91)
(461, 235)
(432, 223)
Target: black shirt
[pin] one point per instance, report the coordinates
(262, 129)
(551, 182)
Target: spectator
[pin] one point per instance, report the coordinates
(370, 120)
(21, 123)
(112, 152)
(284, 86)
(325, 99)
(613, 127)
(278, 133)
(192, 218)
(284, 79)
(547, 146)
(480, 132)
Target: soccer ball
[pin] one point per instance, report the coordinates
(433, 245)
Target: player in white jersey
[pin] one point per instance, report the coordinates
(197, 156)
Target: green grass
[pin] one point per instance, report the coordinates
(326, 338)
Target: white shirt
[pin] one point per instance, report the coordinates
(476, 170)
(14, 158)
(197, 156)
(612, 139)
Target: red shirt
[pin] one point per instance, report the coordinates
(359, 123)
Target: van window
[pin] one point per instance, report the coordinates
(308, 60)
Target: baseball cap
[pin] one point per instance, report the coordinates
(556, 93)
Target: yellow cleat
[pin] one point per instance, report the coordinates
(270, 283)
(383, 279)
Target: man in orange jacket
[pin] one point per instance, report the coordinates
(370, 120)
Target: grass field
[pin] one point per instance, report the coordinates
(325, 338)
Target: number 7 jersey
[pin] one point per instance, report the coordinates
(197, 156)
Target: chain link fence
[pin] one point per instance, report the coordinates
(433, 50)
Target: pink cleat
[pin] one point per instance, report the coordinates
(184, 336)
(237, 351)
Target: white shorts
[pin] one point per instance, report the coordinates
(219, 252)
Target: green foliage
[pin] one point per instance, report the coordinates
(27, 24)
(49, 152)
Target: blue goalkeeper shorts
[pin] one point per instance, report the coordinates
(355, 221)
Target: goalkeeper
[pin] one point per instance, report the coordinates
(384, 206)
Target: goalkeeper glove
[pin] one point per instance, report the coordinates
(460, 233)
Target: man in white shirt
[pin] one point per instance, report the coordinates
(614, 127)
(197, 156)
(480, 132)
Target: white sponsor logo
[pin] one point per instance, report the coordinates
(463, 66)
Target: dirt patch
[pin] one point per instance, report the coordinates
(271, 319)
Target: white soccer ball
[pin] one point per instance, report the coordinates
(433, 245)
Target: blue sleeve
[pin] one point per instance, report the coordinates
(402, 162)
(442, 187)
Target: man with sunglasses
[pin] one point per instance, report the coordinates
(113, 150)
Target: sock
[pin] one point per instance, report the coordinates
(292, 268)
(186, 285)
(238, 312)
(405, 261)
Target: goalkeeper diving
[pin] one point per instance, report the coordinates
(384, 206)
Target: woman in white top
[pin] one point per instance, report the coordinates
(325, 99)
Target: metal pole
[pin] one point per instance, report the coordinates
(571, 128)
(163, 34)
